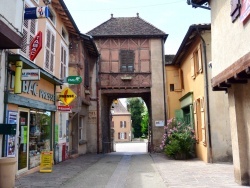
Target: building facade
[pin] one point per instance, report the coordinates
(188, 78)
(131, 65)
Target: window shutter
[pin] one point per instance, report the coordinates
(235, 9)
(120, 124)
(119, 135)
(195, 122)
(124, 124)
(125, 135)
(192, 67)
(200, 59)
(181, 78)
(203, 129)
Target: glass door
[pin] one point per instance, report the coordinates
(23, 132)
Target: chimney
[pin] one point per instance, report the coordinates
(137, 14)
(111, 15)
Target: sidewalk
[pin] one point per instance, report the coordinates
(174, 173)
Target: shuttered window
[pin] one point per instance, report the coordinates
(29, 32)
(123, 124)
(196, 63)
(86, 73)
(63, 62)
(127, 58)
(50, 51)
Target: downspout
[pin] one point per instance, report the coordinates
(97, 105)
(164, 85)
(207, 97)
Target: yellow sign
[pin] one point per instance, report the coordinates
(46, 161)
(67, 96)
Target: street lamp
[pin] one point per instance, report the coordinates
(46, 2)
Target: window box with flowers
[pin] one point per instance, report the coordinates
(178, 140)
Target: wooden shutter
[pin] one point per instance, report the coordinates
(195, 122)
(235, 9)
(125, 135)
(52, 53)
(120, 124)
(192, 67)
(124, 124)
(119, 135)
(203, 129)
(200, 59)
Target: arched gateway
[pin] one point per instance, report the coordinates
(131, 64)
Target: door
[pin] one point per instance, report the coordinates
(23, 132)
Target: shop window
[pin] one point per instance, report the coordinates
(50, 51)
(39, 136)
(127, 58)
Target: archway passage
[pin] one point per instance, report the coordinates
(129, 119)
(106, 116)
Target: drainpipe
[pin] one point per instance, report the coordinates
(97, 105)
(164, 85)
(207, 96)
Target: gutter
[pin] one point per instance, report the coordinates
(207, 96)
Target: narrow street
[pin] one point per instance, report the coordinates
(130, 169)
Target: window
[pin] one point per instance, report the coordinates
(127, 58)
(196, 63)
(171, 87)
(50, 51)
(52, 16)
(64, 35)
(61, 126)
(29, 31)
(122, 124)
(81, 128)
(122, 135)
(63, 63)
(86, 73)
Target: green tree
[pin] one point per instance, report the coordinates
(136, 108)
(144, 123)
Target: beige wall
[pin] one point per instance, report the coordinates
(172, 97)
(157, 91)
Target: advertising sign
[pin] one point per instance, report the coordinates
(67, 96)
(64, 108)
(46, 161)
(30, 74)
(74, 79)
(36, 45)
(36, 12)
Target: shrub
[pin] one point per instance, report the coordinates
(178, 139)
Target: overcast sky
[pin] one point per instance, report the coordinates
(171, 16)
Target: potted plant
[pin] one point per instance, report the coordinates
(178, 140)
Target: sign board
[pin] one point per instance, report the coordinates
(67, 96)
(159, 123)
(30, 74)
(74, 79)
(36, 45)
(36, 12)
(245, 10)
(46, 161)
(61, 108)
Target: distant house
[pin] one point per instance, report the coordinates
(121, 126)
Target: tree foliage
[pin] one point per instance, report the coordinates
(145, 122)
(136, 108)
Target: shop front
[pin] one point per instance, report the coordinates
(33, 111)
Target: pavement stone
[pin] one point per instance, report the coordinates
(130, 170)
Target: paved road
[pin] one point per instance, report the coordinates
(131, 170)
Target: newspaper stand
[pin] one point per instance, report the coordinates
(46, 161)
